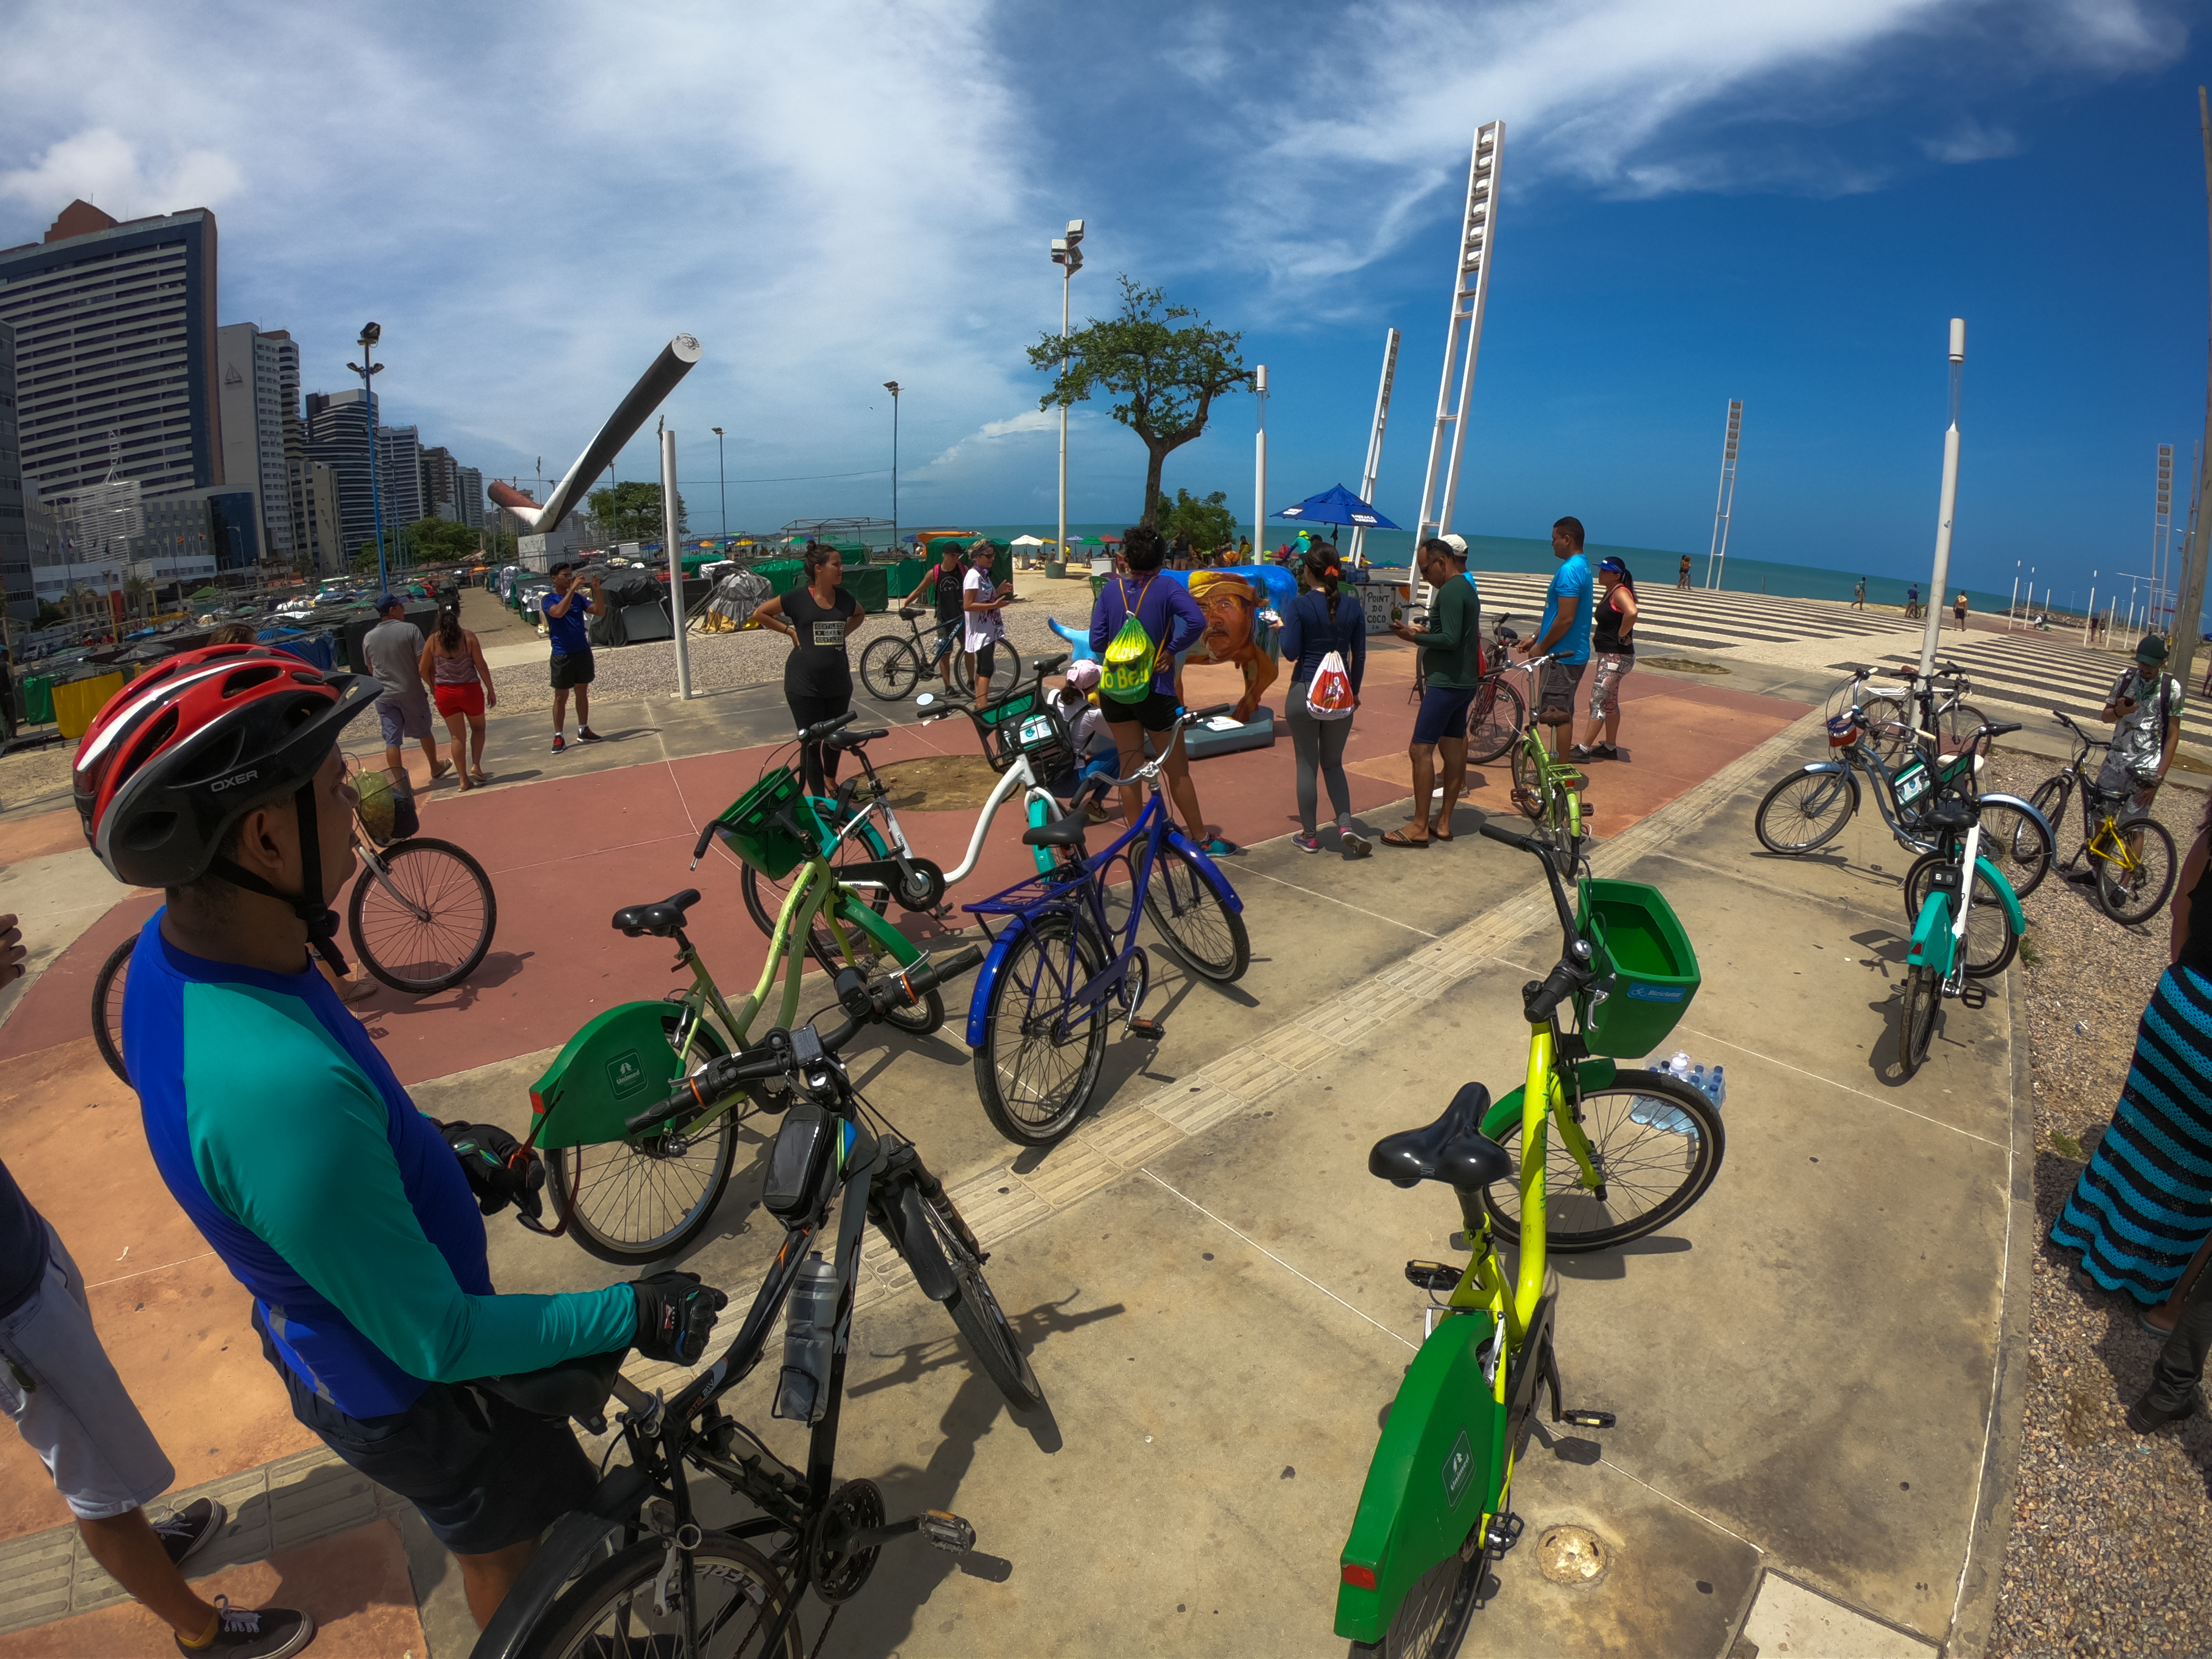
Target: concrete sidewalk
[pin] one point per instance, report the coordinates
(1209, 1280)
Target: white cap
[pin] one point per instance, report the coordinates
(1457, 544)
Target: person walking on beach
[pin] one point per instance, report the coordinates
(981, 602)
(393, 651)
(1319, 621)
(1958, 610)
(1858, 595)
(566, 612)
(1682, 575)
(454, 662)
(1612, 653)
(1563, 631)
(1912, 602)
(1451, 669)
(817, 675)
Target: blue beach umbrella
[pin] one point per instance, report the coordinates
(1337, 505)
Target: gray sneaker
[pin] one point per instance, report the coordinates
(1355, 844)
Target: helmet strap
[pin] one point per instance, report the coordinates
(307, 903)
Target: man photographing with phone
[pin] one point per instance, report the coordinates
(566, 612)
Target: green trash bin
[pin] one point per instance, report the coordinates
(38, 691)
(783, 574)
(1645, 964)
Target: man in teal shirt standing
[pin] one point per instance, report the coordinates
(1564, 633)
(1452, 671)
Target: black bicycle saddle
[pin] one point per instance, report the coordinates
(909, 613)
(1951, 813)
(1066, 831)
(1452, 1150)
(574, 1388)
(659, 920)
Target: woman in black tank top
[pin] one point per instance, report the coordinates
(1612, 653)
(817, 675)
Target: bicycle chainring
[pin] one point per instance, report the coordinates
(837, 1576)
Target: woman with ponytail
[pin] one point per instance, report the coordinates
(1319, 621)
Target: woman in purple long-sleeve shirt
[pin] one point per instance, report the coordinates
(1172, 619)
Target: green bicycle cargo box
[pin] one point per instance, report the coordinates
(1645, 966)
(771, 827)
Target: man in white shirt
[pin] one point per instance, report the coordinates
(980, 603)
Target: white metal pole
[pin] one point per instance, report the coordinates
(1939, 583)
(1260, 468)
(1066, 277)
(2089, 612)
(2011, 604)
(1370, 473)
(676, 608)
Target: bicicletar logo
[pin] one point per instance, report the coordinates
(625, 1076)
(1459, 1469)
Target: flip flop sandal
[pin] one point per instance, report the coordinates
(481, 776)
(1399, 838)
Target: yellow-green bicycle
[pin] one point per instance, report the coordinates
(637, 1189)
(2132, 861)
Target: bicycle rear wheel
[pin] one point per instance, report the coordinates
(1527, 786)
(764, 895)
(1035, 1084)
(638, 1204)
(1916, 1020)
(1889, 728)
(431, 925)
(2015, 843)
(975, 1312)
(1204, 932)
(1805, 810)
(107, 1007)
(891, 668)
(2131, 892)
(1431, 1621)
(1956, 724)
(1005, 673)
(610, 1610)
(2051, 799)
(1494, 723)
(1657, 1144)
(1990, 941)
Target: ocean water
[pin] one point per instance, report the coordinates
(1650, 566)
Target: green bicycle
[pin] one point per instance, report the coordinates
(1547, 788)
(1642, 1148)
(635, 1196)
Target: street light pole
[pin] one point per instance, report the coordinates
(722, 484)
(1947, 504)
(892, 386)
(1068, 254)
(370, 334)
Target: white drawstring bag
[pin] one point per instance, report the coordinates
(1330, 696)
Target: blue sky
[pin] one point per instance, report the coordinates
(1782, 204)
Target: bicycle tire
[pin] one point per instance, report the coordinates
(1813, 807)
(1432, 1618)
(1916, 1019)
(1889, 728)
(445, 953)
(609, 1608)
(107, 1007)
(1006, 674)
(1494, 723)
(2052, 798)
(891, 668)
(1577, 1220)
(616, 1170)
(2132, 896)
(1559, 832)
(1957, 723)
(2016, 844)
(1206, 936)
(764, 895)
(982, 1322)
(1990, 941)
(1527, 786)
(1032, 1095)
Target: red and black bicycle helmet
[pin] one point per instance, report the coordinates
(180, 753)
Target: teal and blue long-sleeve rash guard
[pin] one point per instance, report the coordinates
(286, 1137)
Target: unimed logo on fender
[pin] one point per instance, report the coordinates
(1459, 1469)
(624, 1075)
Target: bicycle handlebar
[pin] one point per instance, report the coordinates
(821, 729)
(1539, 1001)
(1184, 717)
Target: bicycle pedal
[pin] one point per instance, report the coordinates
(946, 1531)
(1587, 1419)
(1150, 1030)
(1431, 1276)
(1505, 1533)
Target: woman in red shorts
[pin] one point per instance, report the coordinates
(453, 663)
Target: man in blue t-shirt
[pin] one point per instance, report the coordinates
(1565, 632)
(565, 608)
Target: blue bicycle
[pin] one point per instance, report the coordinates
(1037, 1020)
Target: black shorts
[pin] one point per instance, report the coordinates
(1156, 713)
(1555, 696)
(484, 1474)
(573, 670)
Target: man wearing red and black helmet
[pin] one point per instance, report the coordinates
(357, 1223)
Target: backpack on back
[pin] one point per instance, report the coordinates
(1126, 670)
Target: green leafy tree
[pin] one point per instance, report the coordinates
(1206, 524)
(51, 614)
(1164, 378)
(441, 541)
(366, 559)
(631, 512)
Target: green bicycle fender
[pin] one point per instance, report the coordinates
(852, 912)
(1932, 943)
(618, 1063)
(1503, 1117)
(2006, 896)
(1438, 1465)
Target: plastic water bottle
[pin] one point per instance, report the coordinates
(1654, 1113)
(809, 1341)
(1717, 1086)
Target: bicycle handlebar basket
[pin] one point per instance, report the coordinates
(1645, 966)
(773, 826)
(1025, 723)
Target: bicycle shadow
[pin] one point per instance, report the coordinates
(1612, 1264)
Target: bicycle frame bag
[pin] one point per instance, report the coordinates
(795, 1166)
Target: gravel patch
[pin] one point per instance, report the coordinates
(2105, 1550)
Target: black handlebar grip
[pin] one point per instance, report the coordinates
(694, 1094)
(706, 836)
(1209, 714)
(1526, 843)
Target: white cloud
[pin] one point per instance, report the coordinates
(1030, 420)
(105, 169)
(1970, 141)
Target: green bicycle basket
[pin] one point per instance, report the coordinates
(1645, 964)
(772, 826)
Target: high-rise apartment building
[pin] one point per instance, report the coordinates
(115, 351)
(399, 476)
(338, 426)
(16, 593)
(317, 497)
(251, 378)
(470, 492)
(441, 483)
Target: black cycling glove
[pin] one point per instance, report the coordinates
(500, 1169)
(675, 1317)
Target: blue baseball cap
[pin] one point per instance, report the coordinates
(384, 602)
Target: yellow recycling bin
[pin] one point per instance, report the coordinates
(77, 701)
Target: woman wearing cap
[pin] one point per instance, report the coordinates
(1612, 653)
(1319, 621)
(1096, 754)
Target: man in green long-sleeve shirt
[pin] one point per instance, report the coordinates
(1451, 666)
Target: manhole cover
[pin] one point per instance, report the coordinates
(1571, 1555)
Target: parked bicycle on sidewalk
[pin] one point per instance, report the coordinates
(2132, 863)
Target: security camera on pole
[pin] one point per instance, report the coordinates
(1939, 583)
(370, 334)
